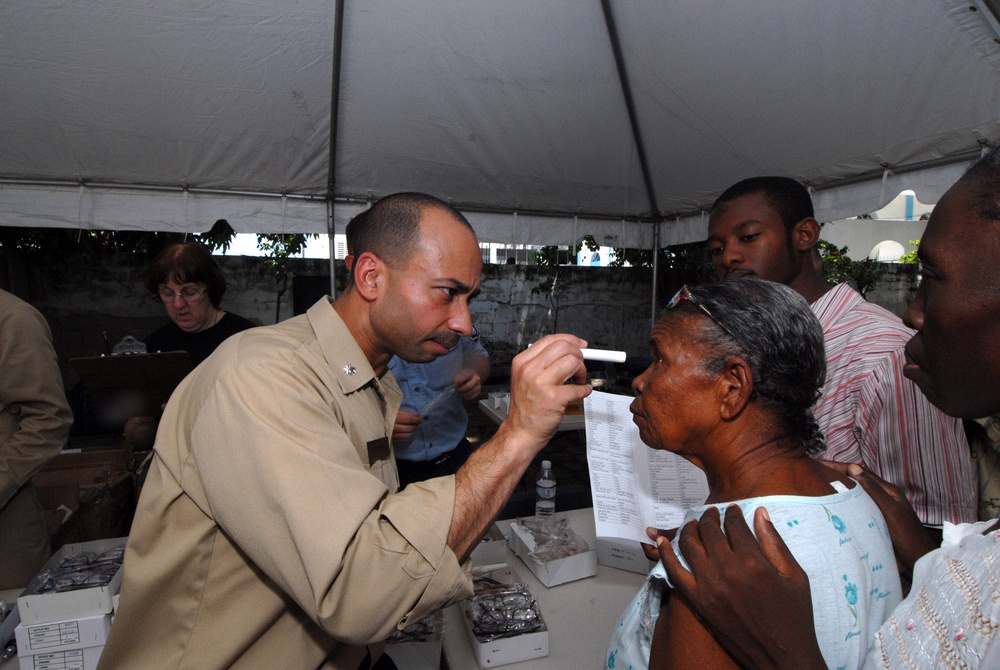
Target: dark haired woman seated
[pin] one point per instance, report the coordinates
(736, 367)
(189, 283)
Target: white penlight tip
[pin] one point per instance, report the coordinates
(605, 355)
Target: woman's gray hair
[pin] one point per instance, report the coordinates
(781, 340)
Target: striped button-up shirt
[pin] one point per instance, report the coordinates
(871, 414)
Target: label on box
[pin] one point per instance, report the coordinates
(63, 635)
(76, 659)
(624, 555)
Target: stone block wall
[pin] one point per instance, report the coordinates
(897, 288)
(91, 305)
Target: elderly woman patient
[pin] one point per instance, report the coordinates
(736, 367)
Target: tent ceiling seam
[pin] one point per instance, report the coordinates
(967, 155)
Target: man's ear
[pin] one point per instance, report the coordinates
(735, 388)
(805, 234)
(369, 275)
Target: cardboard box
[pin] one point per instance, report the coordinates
(624, 555)
(95, 486)
(508, 650)
(492, 548)
(498, 572)
(559, 571)
(76, 659)
(46, 607)
(502, 651)
(44, 638)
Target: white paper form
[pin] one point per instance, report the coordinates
(634, 486)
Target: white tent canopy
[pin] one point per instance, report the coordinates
(543, 119)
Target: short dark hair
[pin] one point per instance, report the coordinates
(778, 336)
(789, 198)
(186, 263)
(351, 230)
(984, 179)
(390, 228)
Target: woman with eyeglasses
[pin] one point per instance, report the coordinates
(190, 284)
(737, 365)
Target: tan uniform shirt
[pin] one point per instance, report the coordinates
(264, 535)
(34, 422)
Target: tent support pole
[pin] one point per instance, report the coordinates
(640, 146)
(633, 118)
(656, 267)
(333, 253)
(331, 175)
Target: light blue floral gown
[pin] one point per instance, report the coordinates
(842, 543)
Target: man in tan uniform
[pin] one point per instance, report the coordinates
(34, 422)
(269, 532)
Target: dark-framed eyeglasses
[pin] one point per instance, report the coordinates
(188, 294)
(685, 294)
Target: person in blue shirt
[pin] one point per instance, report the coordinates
(429, 433)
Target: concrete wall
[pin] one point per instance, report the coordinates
(897, 288)
(91, 305)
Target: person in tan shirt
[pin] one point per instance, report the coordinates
(34, 423)
(270, 532)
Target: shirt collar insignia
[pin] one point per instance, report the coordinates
(350, 370)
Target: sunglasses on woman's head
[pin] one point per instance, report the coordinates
(685, 294)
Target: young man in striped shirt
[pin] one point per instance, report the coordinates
(869, 412)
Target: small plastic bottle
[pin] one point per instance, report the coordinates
(545, 494)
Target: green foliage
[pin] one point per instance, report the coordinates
(547, 260)
(279, 248)
(836, 262)
(48, 245)
(910, 257)
(683, 263)
(637, 258)
(839, 268)
(51, 244)
(546, 257)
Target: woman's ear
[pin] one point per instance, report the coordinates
(735, 388)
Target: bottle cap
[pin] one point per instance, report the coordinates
(546, 465)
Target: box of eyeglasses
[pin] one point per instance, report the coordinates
(504, 625)
(418, 647)
(78, 581)
(552, 550)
